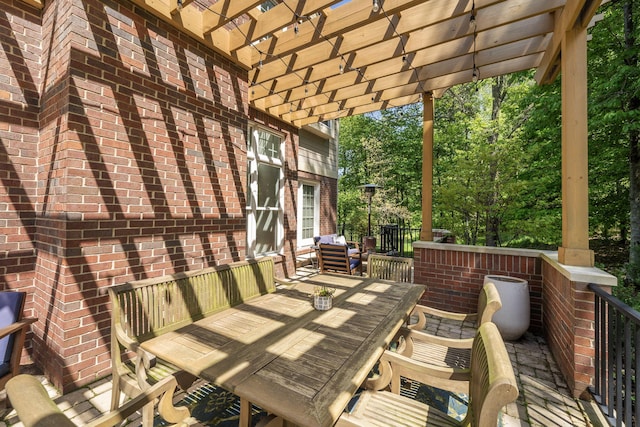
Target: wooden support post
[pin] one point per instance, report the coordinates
(575, 184)
(427, 168)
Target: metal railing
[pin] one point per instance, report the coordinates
(617, 334)
(392, 239)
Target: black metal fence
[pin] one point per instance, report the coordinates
(617, 332)
(390, 238)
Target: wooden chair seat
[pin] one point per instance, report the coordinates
(492, 385)
(386, 409)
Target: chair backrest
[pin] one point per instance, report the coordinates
(11, 305)
(398, 269)
(488, 303)
(334, 257)
(493, 383)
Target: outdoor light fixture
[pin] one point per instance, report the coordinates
(369, 191)
(376, 6)
(472, 19)
(179, 5)
(476, 74)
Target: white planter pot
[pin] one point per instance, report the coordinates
(322, 303)
(513, 318)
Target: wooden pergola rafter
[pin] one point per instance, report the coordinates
(316, 60)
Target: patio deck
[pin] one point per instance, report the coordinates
(544, 400)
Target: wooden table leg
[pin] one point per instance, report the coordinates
(245, 413)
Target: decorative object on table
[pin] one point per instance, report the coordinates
(323, 298)
(514, 317)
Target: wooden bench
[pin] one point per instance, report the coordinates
(144, 309)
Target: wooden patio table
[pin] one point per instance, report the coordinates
(279, 353)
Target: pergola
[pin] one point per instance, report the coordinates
(309, 61)
(316, 60)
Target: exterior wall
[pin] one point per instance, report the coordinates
(123, 152)
(318, 155)
(454, 274)
(318, 161)
(20, 87)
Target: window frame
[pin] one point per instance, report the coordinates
(254, 160)
(306, 242)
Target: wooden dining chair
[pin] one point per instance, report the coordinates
(449, 357)
(13, 331)
(337, 258)
(492, 385)
(397, 269)
(488, 303)
(36, 409)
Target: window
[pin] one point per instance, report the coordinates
(308, 213)
(265, 200)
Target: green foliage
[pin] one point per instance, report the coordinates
(383, 149)
(497, 151)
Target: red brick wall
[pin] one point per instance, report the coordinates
(20, 86)
(453, 277)
(569, 328)
(123, 151)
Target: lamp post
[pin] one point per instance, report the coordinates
(369, 191)
(369, 241)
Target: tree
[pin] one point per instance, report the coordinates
(385, 149)
(479, 158)
(615, 128)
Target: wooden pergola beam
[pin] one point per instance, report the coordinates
(346, 57)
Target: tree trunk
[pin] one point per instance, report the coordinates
(492, 227)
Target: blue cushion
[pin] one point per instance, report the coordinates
(10, 311)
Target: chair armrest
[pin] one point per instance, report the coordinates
(353, 245)
(434, 339)
(164, 390)
(125, 340)
(412, 335)
(15, 327)
(36, 409)
(436, 376)
(33, 405)
(422, 310)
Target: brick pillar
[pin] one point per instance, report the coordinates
(569, 315)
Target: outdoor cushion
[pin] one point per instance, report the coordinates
(327, 238)
(10, 307)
